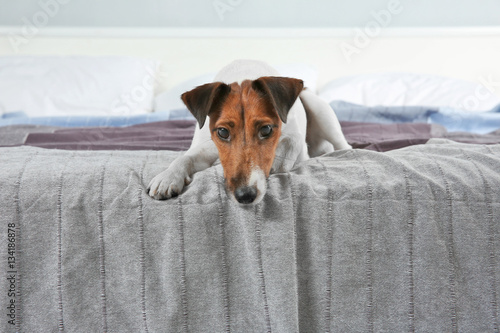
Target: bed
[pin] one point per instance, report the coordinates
(399, 234)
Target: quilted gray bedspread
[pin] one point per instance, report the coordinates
(355, 241)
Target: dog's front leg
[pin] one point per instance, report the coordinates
(292, 145)
(290, 150)
(170, 182)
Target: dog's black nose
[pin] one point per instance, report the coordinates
(245, 194)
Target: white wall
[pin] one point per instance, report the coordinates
(457, 38)
(468, 58)
(250, 13)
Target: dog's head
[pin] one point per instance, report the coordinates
(245, 125)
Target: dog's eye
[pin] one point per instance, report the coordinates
(265, 131)
(223, 133)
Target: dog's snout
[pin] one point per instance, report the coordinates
(245, 194)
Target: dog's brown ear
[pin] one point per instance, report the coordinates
(204, 99)
(281, 91)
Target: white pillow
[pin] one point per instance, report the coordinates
(402, 89)
(77, 85)
(171, 100)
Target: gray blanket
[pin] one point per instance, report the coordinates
(355, 241)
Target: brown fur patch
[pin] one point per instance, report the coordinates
(243, 113)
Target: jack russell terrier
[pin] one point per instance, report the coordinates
(256, 126)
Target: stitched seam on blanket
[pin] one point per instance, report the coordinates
(491, 244)
(59, 249)
(102, 259)
(295, 259)
(17, 201)
(329, 270)
(59, 244)
(369, 246)
(225, 279)
(258, 238)
(451, 252)
(142, 258)
(411, 277)
(182, 263)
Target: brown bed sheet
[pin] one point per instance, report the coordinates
(176, 135)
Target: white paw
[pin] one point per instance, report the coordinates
(169, 183)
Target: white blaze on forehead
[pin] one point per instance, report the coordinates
(258, 179)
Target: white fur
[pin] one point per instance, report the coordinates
(323, 128)
(258, 180)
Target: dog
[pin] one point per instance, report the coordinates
(257, 123)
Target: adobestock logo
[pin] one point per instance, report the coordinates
(363, 36)
(40, 19)
(483, 91)
(132, 101)
(223, 6)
